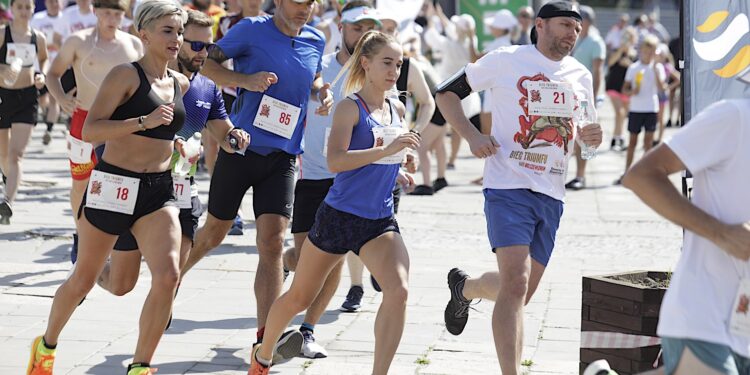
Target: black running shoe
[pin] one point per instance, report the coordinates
(353, 300)
(423, 190)
(438, 184)
(576, 184)
(6, 211)
(457, 311)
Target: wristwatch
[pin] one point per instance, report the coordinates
(140, 122)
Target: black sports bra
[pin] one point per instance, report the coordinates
(9, 39)
(145, 101)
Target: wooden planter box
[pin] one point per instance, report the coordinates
(622, 303)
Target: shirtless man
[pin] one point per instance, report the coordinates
(92, 53)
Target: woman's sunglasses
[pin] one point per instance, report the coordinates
(199, 46)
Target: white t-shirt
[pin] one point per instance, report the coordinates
(647, 100)
(334, 41)
(78, 21)
(534, 150)
(698, 303)
(49, 26)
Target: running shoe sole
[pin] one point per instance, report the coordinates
(288, 347)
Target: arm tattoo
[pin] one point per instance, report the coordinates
(216, 54)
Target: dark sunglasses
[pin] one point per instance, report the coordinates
(199, 46)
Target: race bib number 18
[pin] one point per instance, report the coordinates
(110, 192)
(277, 117)
(550, 99)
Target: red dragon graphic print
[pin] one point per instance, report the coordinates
(546, 130)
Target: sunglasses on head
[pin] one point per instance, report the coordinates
(199, 46)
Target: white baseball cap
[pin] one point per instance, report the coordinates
(357, 14)
(502, 19)
(464, 21)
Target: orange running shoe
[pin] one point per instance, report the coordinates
(256, 368)
(42, 358)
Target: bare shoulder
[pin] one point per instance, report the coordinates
(40, 37)
(182, 79)
(347, 110)
(124, 74)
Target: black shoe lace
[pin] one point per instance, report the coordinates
(464, 307)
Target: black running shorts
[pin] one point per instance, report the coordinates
(154, 192)
(308, 195)
(18, 106)
(271, 177)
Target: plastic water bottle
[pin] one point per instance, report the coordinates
(586, 116)
(15, 64)
(192, 149)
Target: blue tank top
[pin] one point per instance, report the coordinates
(368, 190)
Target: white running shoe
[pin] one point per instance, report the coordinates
(310, 348)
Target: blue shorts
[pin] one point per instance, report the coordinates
(716, 356)
(521, 217)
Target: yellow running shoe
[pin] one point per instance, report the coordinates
(42, 358)
(140, 369)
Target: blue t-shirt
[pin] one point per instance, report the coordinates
(257, 45)
(368, 190)
(203, 102)
(313, 163)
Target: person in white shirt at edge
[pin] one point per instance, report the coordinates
(55, 27)
(589, 51)
(80, 16)
(524, 174)
(704, 325)
(457, 48)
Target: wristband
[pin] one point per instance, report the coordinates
(140, 123)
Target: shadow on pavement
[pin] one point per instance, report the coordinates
(59, 254)
(12, 280)
(181, 326)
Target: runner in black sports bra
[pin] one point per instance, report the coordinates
(144, 101)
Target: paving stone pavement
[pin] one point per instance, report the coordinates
(604, 229)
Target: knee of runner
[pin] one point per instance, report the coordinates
(81, 284)
(398, 294)
(121, 289)
(517, 286)
(167, 278)
(271, 244)
(299, 301)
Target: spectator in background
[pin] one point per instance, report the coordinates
(330, 28)
(80, 16)
(675, 48)
(656, 28)
(525, 16)
(55, 29)
(501, 25)
(589, 51)
(672, 80)
(618, 62)
(641, 27)
(643, 82)
(614, 37)
(212, 10)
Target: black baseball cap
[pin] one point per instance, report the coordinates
(556, 9)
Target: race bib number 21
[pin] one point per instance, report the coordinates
(550, 99)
